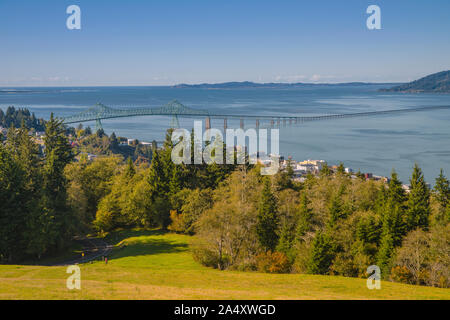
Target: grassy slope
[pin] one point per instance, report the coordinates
(152, 265)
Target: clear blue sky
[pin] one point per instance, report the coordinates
(158, 42)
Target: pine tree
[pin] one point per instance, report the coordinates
(58, 154)
(418, 201)
(130, 170)
(341, 169)
(325, 170)
(305, 215)
(12, 206)
(267, 224)
(336, 209)
(395, 190)
(385, 254)
(442, 192)
(322, 254)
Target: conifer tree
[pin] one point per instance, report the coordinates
(442, 192)
(58, 154)
(322, 254)
(341, 169)
(395, 190)
(305, 215)
(418, 201)
(268, 220)
(385, 255)
(130, 170)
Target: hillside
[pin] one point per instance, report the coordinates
(434, 83)
(150, 264)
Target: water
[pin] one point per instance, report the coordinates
(373, 144)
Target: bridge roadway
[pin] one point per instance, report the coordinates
(176, 109)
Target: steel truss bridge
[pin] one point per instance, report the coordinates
(175, 109)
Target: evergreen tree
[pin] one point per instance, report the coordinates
(325, 170)
(442, 192)
(267, 224)
(385, 255)
(322, 254)
(418, 201)
(130, 170)
(336, 208)
(58, 154)
(341, 169)
(114, 142)
(305, 215)
(395, 190)
(12, 206)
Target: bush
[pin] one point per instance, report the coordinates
(401, 274)
(273, 262)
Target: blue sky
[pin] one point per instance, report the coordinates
(159, 42)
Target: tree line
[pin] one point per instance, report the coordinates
(15, 117)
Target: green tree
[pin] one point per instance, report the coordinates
(268, 220)
(341, 169)
(385, 255)
(395, 190)
(305, 216)
(322, 254)
(58, 154)
(336, 209)
(442, 193)
(13, 206)
(418, 201)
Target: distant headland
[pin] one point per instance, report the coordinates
(434, 83)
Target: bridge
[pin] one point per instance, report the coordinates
(175, 109)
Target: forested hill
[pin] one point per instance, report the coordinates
(437, 82)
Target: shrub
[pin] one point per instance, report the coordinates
(273, 262)
(401, 274)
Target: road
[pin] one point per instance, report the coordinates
(93, 249)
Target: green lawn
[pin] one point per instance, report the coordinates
(156, 265)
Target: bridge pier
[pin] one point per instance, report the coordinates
(98, 125)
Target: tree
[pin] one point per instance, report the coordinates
(413, 254)
(130, 170)
(325, 170)
(442, 193)
(336, 208)
(341, 169)
(322, 254)
(305, 215)
(13, 206)
(395, 190)
(385, 255)
(58, 154)
(267, 218)
(418, 201)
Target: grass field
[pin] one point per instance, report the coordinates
(155, 265)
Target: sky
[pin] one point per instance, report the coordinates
(166, 42)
